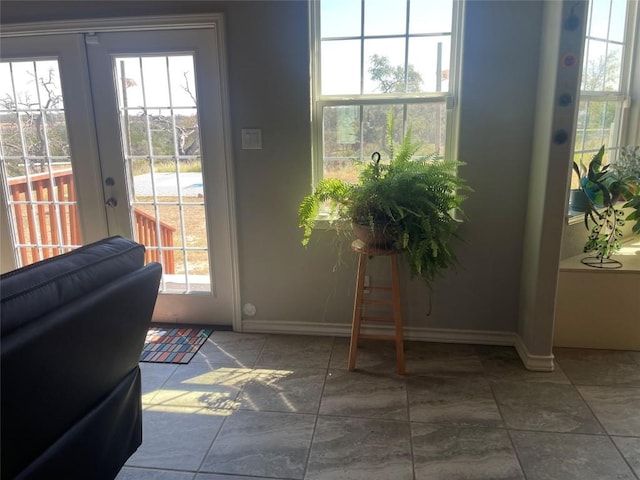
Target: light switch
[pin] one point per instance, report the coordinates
(252, 139)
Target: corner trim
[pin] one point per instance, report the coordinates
(537, 363)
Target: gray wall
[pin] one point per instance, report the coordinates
(499, 80)
(269, 87)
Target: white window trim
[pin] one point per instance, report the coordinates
(318, 102)
(631, 115)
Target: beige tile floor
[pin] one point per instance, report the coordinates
(257, 407)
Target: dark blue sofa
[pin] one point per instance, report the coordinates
(71, 332)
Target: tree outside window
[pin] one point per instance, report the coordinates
(372, 59)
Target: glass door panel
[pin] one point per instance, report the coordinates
(36, 163)
(50, 183)
(157, 103)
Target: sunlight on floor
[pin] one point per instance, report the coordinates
(215, 390)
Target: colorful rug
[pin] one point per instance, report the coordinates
(173, 344)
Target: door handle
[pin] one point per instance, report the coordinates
(111, 202)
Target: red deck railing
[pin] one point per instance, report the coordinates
(148, 235)
(66, 230)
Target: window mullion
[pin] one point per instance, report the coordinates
(406, 51)
(606, 51)
(316, 89)
(381, 100)
(362, 47)
(604, 96)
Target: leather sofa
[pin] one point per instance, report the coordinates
(72, 328)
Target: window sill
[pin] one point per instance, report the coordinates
(573, 218)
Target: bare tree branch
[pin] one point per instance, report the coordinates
(183, 134)
(187, 89)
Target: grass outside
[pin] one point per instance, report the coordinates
(141, 166)
(195, 231)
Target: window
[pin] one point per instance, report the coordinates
(607, 81)
(375, 60)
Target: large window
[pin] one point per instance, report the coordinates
(375, 61)
(607, 81)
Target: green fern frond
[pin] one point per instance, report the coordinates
(411, 197)
(307, 214)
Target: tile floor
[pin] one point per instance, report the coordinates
(261, 407)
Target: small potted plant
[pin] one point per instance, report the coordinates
(626, 167)
(609, 189)
(407, 204)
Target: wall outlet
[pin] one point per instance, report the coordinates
(251, 139)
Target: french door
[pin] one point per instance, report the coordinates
(123, 133)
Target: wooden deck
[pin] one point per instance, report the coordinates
(54, 221)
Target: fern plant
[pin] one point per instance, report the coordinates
(412, 200)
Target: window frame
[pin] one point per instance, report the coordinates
(630, 132)
(319, 101)
(625, 130)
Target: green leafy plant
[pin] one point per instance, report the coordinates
(627, 167)
(627, 164)
(605, 186)
(411, 200)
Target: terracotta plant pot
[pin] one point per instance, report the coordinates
(374, 238)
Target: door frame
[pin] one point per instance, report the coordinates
(174, 22)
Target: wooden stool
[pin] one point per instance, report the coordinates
(366, 252)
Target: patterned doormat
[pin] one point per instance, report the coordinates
(167, 344)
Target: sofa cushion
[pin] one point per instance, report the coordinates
(29, 292)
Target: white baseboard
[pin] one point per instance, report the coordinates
(296, 328)
(543, 363)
